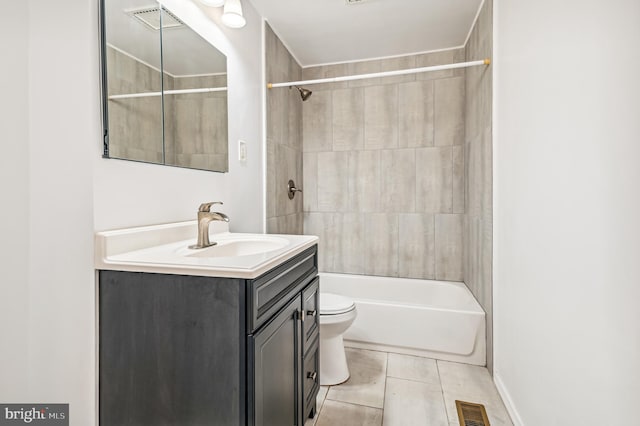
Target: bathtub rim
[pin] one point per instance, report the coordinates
(418, 281)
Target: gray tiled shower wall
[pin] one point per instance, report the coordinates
(478, 217)
(284, 140)
(396, 171)
(384, 168)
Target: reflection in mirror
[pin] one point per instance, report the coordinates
(178, 120)
(195, 123)
(133, 60)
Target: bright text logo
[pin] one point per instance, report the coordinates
(37, 414)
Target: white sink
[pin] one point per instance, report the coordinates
(165, 249)
(238, 247)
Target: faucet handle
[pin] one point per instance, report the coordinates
(205, 207)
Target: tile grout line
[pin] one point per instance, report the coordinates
(444, 402)
(321, 406)
(414, 380)
(384, 393)
(354, 403)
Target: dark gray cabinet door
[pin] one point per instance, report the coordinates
(172, 350)
(276, 375)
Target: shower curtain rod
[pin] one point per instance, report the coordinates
(381, 74)
(169, 92)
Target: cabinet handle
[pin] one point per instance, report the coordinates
(301, 315)
(312, 313)
(312, 376)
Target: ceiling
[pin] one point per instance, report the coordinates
(328, 31)
(184, 51)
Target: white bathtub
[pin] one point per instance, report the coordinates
(436, 319)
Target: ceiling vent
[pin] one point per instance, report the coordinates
(349, 2)
(150, 17)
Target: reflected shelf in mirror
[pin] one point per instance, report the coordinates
(169, 92)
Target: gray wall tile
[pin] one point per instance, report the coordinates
(380, 65)
(437, 58)
(449, 247)
(318, 224)
(416, 114)
(349, 232)
(288, 166)
(398, 180)
(364, 67)
(309, 181)
(271, 179)
(394, 64)
(277, 115)
(458, 179)
(417, 246)
(294, 116)
(348, 119)
(341, 238)
(449, 111)
(364, 181)
(272, 225)
(317, 122)
(486, 166)
(381, 117)
(333, 181)
(289, 224)
(381, 244)
(459, 55)
(434, 180)
(326, 71)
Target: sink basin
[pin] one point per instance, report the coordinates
(240, 247)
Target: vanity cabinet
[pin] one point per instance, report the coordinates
(191, 350)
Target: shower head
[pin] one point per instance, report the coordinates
(304, 93)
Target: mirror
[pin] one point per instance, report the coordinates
(164, 89)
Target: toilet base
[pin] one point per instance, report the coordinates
(333, 361)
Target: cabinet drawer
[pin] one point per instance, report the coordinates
(311, 377)
(270, 292)
(311, 316)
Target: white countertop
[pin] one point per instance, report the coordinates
(164, 249)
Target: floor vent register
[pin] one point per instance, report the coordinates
(471, 414)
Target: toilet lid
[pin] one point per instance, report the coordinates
(332, 304)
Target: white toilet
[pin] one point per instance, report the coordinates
(337, 313)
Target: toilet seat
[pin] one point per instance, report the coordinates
(335, 304)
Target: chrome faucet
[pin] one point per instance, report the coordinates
(205, 217)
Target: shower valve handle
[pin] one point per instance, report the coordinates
(291, 188)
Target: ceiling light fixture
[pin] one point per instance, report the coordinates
(232, 16)
(213, 3)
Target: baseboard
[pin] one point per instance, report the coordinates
(508, 402)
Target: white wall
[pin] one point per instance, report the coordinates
(129, 194)
(14, 207)
(567, 210)
(57, 191)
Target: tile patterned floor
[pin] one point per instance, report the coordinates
(400, 390)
